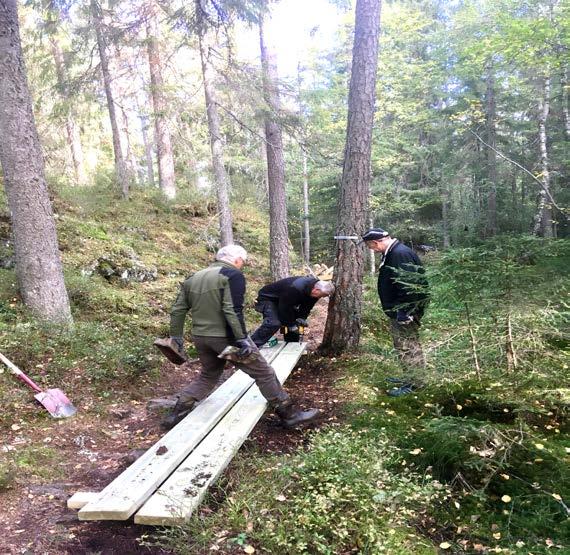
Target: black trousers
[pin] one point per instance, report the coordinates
(270, 323)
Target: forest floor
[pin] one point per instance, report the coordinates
(89, 450)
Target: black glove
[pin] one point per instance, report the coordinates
(302, 322)
(403, 318)
(245, 348)
(179, 342)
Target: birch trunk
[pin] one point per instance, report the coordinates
(543, 221)
(491, 117)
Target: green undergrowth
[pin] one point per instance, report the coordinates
(335, 497)
(28, 464)
(477, 461)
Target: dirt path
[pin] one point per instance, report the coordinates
(86, 452)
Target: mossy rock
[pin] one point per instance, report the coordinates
(123, 266)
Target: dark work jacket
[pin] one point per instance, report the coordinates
(292, 296)
(403, 264)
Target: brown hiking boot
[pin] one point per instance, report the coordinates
(171, 350)
(292, 416)
(178, 413)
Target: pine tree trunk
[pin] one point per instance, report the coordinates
(491, 117)
(38, 264)
(120, 166)
(72, 129)
(216, 145)
(342, 330)
(161, 131)
(278, 230)
(543, 221)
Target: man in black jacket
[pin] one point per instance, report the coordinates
(214, 297)
(402, 287)
(288, 302)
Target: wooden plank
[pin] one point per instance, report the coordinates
(179, 496)
(124, 495)
(81, 498)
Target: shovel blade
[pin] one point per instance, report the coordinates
(56, 403)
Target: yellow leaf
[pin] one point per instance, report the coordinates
(458, 407)
(497, 535)
(416, 451)
(557, 497)
(539, 446)
(444, 545)
(505, 477)
(506, 499)
(249, 549)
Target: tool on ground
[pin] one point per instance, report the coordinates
(54, 400)
(170, 350)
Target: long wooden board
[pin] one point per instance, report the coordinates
(179, 496)
(124, 495)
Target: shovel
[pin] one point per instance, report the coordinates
(54, 400)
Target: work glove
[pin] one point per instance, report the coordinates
(403, 318)
(179, 342)
(294, 328)
(245, 348)
(302, 322)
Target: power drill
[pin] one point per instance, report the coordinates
(293, 336)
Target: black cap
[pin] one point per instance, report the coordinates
(375, 234)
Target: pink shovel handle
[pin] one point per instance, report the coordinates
(22, 377)
(19, 374)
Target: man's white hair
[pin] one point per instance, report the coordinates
(324, 286)
(230, 253)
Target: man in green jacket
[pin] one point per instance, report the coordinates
(214, 297)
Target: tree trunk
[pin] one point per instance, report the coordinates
(161, 130)
(38, 264)
(490, 118)
(371, 253)
(126, 146)
(543, 221)
(216, 144)
(342, 330)
(565, 111)
(278, 231)
(306, 226)
(147, 151)
(120, 166)
(72, 129)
